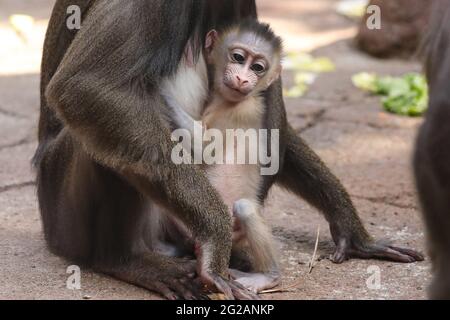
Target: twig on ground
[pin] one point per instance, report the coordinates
(298, 281)
(313, 258)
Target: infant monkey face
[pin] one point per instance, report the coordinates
(245, 60)
(243, 70)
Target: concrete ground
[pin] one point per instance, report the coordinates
(370, 151)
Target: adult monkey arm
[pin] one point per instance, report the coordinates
(305, 174)
(57, 39)
(105, 90)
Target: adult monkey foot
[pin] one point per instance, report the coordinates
(368, 249)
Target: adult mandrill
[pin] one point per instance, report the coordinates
(105, 147)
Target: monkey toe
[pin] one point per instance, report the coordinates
(214, 283)
(242, 293)
(229, 288)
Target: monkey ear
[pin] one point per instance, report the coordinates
(211, 38)
(189, 56)
(276, 74)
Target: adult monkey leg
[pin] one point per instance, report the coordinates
(106, 92)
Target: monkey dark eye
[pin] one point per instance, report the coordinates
(257, 67)
(238, 57)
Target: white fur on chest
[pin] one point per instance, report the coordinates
(235, 181)
(188, 88)
(246, 115)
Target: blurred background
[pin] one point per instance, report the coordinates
(355, 94)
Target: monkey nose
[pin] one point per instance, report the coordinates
(241, 81)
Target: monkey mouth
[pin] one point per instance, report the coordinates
(235, 90)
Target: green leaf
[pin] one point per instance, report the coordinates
(306, 62)
(365, 81)
(406, 95)
(295, 92)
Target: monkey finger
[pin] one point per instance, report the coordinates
(182, 289)
(196, 287)
(409, 252)
(164, 290)
(387, 253)
(378, 251)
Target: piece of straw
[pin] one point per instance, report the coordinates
(298, 281)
